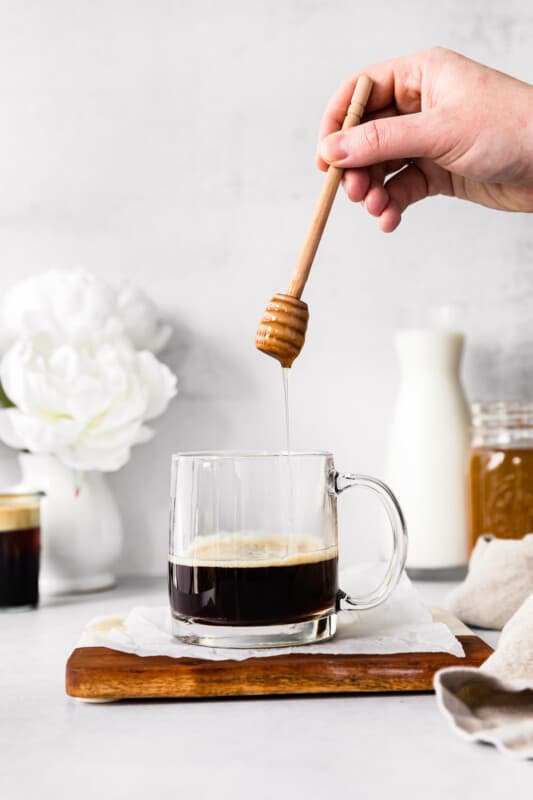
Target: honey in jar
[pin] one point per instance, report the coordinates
(500, 470)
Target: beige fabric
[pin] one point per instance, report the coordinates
(494, 704)
(500, 578)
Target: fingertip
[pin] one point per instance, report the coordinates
(324, 152)
(390, 219)
(333, 148)
(356, 183)
(377, 200)
(321, 164)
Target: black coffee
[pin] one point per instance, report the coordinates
(19, 567)
(253, 581)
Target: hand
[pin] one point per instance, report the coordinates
(436, 123)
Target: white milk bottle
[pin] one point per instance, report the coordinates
(427, 451)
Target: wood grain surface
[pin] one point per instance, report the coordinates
(98, 673)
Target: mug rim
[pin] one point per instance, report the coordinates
(234, 454)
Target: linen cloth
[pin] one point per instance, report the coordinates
(494, 703)
(499, 579)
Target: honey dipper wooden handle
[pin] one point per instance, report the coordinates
(353, 116)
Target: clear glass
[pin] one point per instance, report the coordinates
(253, 557)
(20, 543)
(500, 470)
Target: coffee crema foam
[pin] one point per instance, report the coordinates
(230, 550)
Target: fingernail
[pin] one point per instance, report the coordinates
(333, 148)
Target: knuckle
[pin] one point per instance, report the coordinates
(373, 136)
(437, 52)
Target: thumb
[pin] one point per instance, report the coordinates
(385, 139)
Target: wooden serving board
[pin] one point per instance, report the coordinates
(101, 674)
(97, 673)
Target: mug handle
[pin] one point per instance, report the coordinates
(399, 538)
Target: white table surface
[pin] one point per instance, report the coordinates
(325, 747)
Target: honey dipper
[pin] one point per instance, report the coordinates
(281, 330)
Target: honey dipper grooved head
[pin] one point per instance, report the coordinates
(281, 330)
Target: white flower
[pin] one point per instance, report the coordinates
(138, 315)
(86, 403)
(80, 370)
(70, 304)
(74, 305)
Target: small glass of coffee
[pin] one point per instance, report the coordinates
(253, 555)
(20, 544)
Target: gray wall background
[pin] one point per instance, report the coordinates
(171, 143)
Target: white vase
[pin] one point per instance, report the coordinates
(81, 529)
(427, 449)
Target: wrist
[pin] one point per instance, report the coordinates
(525, 125)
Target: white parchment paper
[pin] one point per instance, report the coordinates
(401, 625)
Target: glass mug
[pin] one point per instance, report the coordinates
(253, 548)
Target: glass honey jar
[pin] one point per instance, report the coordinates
(500, 470)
